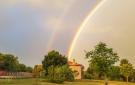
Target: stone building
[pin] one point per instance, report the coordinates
(76, 68)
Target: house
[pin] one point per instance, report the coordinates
(76, 68)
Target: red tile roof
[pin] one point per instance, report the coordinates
(74, 64)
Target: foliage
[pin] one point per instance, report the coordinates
(132, 77)
(92, 72)
(114, 73)
(102, 58)
(10, 63)
(126, 69)
(87, 75)
(123, 61)
(67, 72)
(60, 74)
(56, 69)
(29, 69)
(54, 59)
(55, 75)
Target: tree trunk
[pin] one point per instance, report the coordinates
(106, 80)
(53, 72)
(127, 79)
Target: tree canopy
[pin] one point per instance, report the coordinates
(102, 58)
(126, 68)
(10, 63)
(54, 59)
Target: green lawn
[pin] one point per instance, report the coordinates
(42, 82)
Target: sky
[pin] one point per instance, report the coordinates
(31, 28)
(114, 24)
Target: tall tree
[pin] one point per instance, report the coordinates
(126, 68)
(53, 59)
(102, 58)
(2, 60)
(10, 63)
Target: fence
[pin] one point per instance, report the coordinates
(4, 74)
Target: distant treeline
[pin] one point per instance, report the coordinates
(10, 63)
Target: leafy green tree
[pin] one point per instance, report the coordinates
(60, 74)
(133, 76)
(56, 68)
(103, 58)
(29, 69)
(2, 60)
(55, 75)
(92, 72)
(53, 59)
(126, 69)
(22, 68)
(10, 63)
(114, 73)
(68, 73)
(124, 61)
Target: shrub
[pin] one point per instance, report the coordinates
(55, 75)
(60, 74)
(68, 74)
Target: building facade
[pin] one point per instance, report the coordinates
(76, 68)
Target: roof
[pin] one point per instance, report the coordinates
(70, 63)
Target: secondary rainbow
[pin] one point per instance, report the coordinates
(90, 14)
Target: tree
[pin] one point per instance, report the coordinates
(68, 73)
(133, 76)
(60, 74)
(37, 70)
(56, 68)
(126, 68)
(92, 72)
(54, 59)
(2, 67)
(29, 69)
(124, 61)
(103, 58)
(9, 62)
(22, 68)
(114, 73)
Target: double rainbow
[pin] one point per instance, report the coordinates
(90, 14)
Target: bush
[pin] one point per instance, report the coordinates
(55, 75)
(87, 75)
(68, 74)
(59, 74)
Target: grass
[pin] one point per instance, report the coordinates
(42, 82)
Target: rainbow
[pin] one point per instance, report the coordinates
(90, 14)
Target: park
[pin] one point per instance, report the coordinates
(56, 69)
(67, 42)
